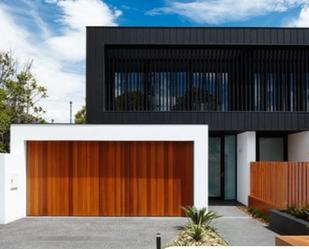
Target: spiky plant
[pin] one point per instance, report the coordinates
(200, 217)
(196, 232)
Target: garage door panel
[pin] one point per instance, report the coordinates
(109, 178)
(152, 180)
(58, 172)
(108, 181)
(48, 180)
(85, 178)
(35, 183)
(186, 182)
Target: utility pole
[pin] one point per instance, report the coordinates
(70, 112)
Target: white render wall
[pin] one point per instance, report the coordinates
(13, 184)
(2, 177)
(298, 146)
(246, 153)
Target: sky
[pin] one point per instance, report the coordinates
(51, 33)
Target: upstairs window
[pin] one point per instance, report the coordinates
(206, 78)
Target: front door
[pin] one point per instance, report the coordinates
(222, 167)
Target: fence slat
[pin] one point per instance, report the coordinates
(278, 184)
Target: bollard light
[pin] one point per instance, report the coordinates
(158, 240)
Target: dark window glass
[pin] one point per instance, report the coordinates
(206, 78)
(271, 149)
(230, 167)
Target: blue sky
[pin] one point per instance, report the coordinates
(52, 32)
(136, 13)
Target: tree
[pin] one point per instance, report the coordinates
(80, 116)
(196, 99)
(19, 96)
(4, 121)
(130, 100)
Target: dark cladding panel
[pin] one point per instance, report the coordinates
(306, 37)
(185, 35)
(95, 75)
(233, 122)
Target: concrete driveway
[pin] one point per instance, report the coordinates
(128, 233)
(87, 233)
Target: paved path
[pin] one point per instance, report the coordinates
(239, 229)
(87, 233)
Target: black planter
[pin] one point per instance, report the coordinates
(287, 224)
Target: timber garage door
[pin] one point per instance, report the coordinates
(81, 178)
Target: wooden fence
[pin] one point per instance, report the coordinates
(278, 184)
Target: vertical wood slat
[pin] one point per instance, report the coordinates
(83, 178)
(279, 184)
(299, 187)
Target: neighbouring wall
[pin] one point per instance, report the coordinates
(246, 153)
(2, 188)
(12, 188)
(298, 146)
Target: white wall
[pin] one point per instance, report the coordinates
(15, 163)
(245, 154)
(298, 146)
(2, 189)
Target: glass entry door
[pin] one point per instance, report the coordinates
(222, 167)
(214, 165)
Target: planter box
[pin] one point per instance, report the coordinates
(285, 223)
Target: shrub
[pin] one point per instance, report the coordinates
(200, 217)
(196, 232)
(194, 235)
(301, 212)
(256, 213)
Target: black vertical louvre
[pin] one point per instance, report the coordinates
(206, 78)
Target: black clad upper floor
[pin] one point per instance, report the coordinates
(233, 79)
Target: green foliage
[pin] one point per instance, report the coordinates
(200, 217)
(256, 213)
(301, 211)
(196, 232)
(80, 116)
(197, 99)
(132, 100)
(194, 235)
(19, 96)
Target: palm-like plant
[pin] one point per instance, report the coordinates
(196, 232)
(200, 217)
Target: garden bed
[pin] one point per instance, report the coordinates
(255, 214)
(198, 231)
(287, 224)
(209, 238)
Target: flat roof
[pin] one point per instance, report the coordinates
(130, 35)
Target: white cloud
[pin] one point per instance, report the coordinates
(49, 64)
(302, 20)
(221, 11)
(76, 15)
